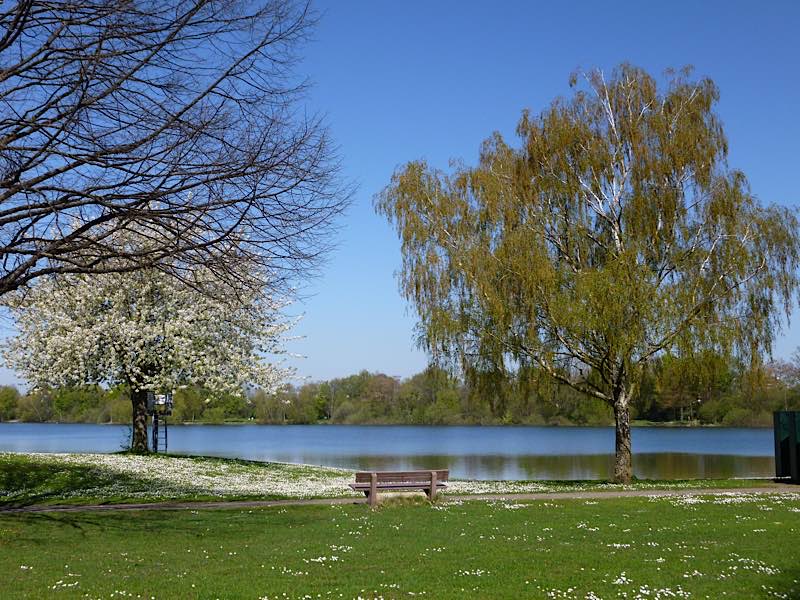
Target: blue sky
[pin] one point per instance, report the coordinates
(413, 79)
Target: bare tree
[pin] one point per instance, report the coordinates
(177, 119)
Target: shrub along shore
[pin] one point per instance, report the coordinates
(702, 391)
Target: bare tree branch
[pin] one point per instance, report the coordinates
(177, 119)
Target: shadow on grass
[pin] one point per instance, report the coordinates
(33, 527)
(24, 482)
(86, 524)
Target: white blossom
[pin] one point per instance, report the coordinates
(149, 330)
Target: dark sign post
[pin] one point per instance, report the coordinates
(787, 444)
(160, 407)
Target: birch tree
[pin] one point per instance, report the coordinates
(148, 331)
(614, 233)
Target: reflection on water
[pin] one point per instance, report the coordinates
(469, 452)
(664, 465)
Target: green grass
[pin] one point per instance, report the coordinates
(739, 547)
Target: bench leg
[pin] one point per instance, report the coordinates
(373, 490)
(434, 485)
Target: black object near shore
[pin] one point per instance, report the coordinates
(787, 444)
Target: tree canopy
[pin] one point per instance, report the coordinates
(148, 331)
(179, 119)
(615, 233)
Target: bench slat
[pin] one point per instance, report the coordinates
(402, 476)
(398, 486)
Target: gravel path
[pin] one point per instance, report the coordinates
(778, 488)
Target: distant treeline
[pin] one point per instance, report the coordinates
(700, 391)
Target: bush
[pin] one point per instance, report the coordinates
(714, 411)
(215, 414)
(36, 407)
(738, 417)
(445, 410)
(9, 397)
(79, 404)
(119, 410)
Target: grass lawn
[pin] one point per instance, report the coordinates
(107, 478)
(735, 546)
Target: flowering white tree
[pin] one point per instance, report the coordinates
(150, 331)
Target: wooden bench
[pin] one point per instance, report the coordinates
(371, 482)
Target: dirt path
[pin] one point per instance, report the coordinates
(587, 495)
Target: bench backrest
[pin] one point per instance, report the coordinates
(402, 476)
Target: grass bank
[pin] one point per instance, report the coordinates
(740, 546)
(27, 479)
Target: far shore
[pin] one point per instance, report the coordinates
(638, 424)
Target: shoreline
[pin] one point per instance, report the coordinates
(89, 479)
(634, 424)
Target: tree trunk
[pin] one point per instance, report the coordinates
(139, 438)
(623, 463)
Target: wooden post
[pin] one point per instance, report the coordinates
(373, 489)
(434, 484)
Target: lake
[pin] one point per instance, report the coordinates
(469, 452)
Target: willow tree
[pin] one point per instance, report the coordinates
(613, 234)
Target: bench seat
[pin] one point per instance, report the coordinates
(371, 482)
(420, 485)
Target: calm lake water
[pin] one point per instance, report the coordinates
(469, 452)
